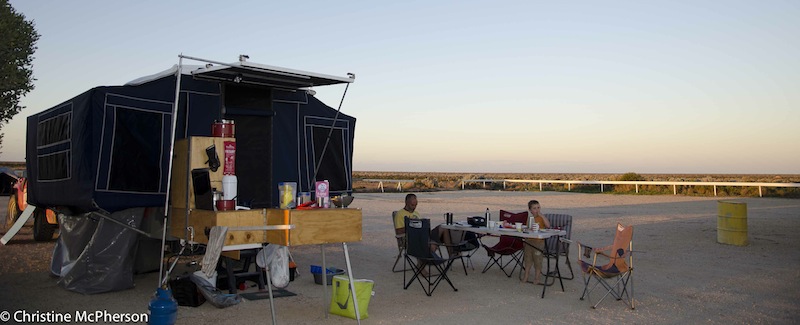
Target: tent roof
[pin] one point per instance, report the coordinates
(251, 73)
(185, 69)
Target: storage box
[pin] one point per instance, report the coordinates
(316, 270)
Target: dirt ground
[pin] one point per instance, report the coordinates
(682, 275)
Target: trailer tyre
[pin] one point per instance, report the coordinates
(42, 230)
(13, 210)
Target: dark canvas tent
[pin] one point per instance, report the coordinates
(109, 147)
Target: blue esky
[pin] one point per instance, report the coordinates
(476, 86)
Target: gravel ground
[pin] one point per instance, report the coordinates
(682, 274)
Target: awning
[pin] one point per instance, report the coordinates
(266, 75)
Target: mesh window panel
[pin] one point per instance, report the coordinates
(54, 130)
(54, 166)
(333, 166)
(136, 152)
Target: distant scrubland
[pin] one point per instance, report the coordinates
(437, 181)
(440, 181)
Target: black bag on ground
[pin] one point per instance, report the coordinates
(186, 292)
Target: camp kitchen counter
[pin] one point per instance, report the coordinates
(310, 227)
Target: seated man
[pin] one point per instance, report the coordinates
(410, 210)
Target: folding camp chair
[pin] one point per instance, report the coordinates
(619, 269)
(465, 245)
(401, 245)
(563, 222)
(420, 257)
(507, 246)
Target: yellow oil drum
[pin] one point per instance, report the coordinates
(732, 223)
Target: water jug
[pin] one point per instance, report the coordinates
(163, 308)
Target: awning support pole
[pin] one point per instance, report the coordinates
(169, 170)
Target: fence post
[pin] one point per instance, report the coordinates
(674, 189)
(380, 184)
(637, 188)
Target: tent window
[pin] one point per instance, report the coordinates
(136, 151)
(54, 166)
(52, 138)
(333, 166)
(54, 130)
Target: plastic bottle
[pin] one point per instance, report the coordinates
(229, 187)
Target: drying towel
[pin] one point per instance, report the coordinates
(216, 239)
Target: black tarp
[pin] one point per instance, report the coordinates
(7, 179)
(110, 145)
(94, 255)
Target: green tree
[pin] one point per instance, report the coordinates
(17, 43)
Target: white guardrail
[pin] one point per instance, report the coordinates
(636, 183)
(381, 181)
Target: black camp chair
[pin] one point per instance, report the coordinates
(466, 244)
(420, 257)
(564, 222)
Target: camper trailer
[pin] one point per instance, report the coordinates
(112, 149)
(109, 148)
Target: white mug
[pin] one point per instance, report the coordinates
(535, 227)
(492, 224)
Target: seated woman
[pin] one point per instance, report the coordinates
(534, 255)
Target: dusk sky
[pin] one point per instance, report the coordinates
(476, 86)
